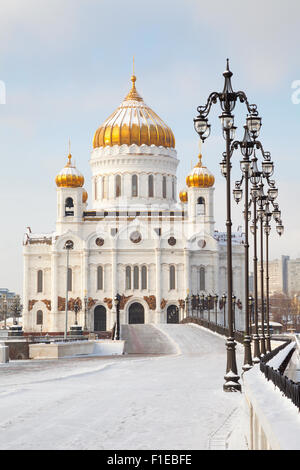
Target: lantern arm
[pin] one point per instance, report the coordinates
(252, 108)
(212, 99)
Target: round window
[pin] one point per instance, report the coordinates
(172, 241)
(136, 237)
(201, 243)
(99, 241)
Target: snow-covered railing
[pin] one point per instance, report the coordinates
(238, 335)
(273, 367)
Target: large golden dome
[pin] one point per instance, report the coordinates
(200, 176)
(69, 176)
(134, 122)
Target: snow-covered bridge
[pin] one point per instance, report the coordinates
(171, 400)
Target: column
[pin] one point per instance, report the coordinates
(114, 284)
(187, 271)
(26, 315)
(54, 293)
(158, 284)
(84, 283)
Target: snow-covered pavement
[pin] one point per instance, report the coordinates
(131, 402)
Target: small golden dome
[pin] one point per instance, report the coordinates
(84, 196)
(200, 176)
(69, 176)
(134, 122)
(183, 196)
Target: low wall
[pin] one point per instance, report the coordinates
(18, 349)
(272, 421)
(58, 350)
(77, 348)
(108, 347)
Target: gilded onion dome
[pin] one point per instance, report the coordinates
(69, 176)
(84, 196)
(200, 176)
(183, 196)
(134, 122)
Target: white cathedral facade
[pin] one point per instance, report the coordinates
(136, 240)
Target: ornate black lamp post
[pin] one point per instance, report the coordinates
(267, 229)
(209, 306)
(233, 308)
(198, 305)
(251, 310)
(85, 300)
(227, 99)
(68, 246)
(255, 192)
(224, 298)
(117, 304)
(76, 309)
(216, 308)
(202, 305)
(5, 308)
(261, 202)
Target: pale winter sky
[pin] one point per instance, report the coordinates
(67, 64)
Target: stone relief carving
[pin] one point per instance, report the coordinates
(151, 301)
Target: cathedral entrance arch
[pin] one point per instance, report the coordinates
(136, 313)
(172, 314)
(100, 318)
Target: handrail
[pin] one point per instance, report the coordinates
(238, 335)
(288, 387)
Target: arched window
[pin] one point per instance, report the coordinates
(118, 186)
(200, 206)
(144, 277)
(136, 277)
(39, 317)
(202, 278)
(134, 186)
(100, 278)
(172, 277)
(164, 187)
(96, 188)
(69, 202)
(70, 280)
(69, 206)
(128, 278)
(40, 280)
(173, 189)
(150, 186)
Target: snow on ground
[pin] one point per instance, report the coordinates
(131, 402)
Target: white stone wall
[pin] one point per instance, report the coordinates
(195, 244)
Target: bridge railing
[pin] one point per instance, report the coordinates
(288, 387)
(238, 335)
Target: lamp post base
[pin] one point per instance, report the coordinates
(231, 378)
(247, 354)
(268, 343)
(256, 354)
(262, 346)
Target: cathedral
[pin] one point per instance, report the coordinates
(135, 239)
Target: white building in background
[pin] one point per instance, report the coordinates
(136, 240)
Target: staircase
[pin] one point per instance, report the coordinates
(146, 339)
